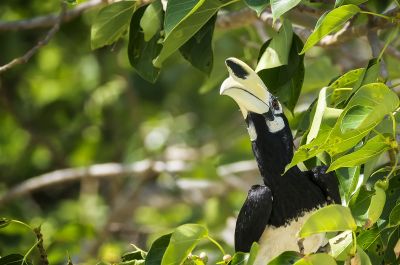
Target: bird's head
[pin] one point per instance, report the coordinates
(259, 107)
(269, 130)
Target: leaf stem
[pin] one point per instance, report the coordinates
(217, 244)
(29, 252)
(378, 15)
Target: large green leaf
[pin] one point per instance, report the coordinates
(333, 21)
(182, 242)
(331, 218)
(253, 253)
(277, 52)
(376, 96)
(141, 52)
(198, 50)
(257, 5)
(285, 81)
(179, 33)
(157, 250)
(372, 148)
(280, 7)
(348, 182)
(316, 259)
(286, 258)
(176, 11)
(151, 21)
(341, 245)
(110, 23)
(239, 258)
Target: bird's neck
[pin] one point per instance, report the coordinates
(273, 150)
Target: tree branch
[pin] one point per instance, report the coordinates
(48, 20)
(141, 169)
(25, 58)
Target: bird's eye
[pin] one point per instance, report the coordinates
(275, 104)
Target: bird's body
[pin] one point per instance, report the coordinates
(273, 214)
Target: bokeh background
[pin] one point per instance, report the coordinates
(169, 153)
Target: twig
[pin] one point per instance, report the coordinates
(43, 254)
(48, 20)
(25, 58)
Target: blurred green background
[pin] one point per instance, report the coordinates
(71, 107)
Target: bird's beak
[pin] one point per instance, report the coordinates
(245, 87)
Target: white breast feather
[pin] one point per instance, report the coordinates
(276, 240)
(276, 125)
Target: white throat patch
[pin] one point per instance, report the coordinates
(251, 129)
(276, 125)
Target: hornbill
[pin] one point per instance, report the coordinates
(273, 213)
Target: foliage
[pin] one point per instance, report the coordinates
(74, 107)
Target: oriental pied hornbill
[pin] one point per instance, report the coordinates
(273, 214)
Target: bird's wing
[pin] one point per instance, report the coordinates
(253, 217)
(327, 182)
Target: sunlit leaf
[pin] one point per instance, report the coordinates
(111, 22)
(331, 218)
(182, 242)
(316, 259)
(280, 7)
(151, 20)
(354, 117)
(368, 75)
(341, 245)
(333, 21)
(372, 148)
(253, 253)
(286, 258)
(376, 206)
(277, 52)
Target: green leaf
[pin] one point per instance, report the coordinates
(348, 79)
(110, 23)
(4, 222)
(369, 74)
(376, 96)
(346, 2)
(286, 81)
(341, 245)
(141, 52)
(179, 33)
(157, 250)
(137, 255)
(332, 22)
(375, 208)
(354, 117)
(319, 112)
(176, 11)
(331, 218)
(394, 218)
(151, 20)
(348, 182)
(361, 257)
(316, 259)
(257, 5)
(198, 50)
(371, 149)
(286, 258)
(14, 259)
(277, 52)
(182, 242)
(253, 253)
(239, 258)
(280, 7)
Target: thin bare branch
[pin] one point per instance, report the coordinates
(25, 58)
(48, 20)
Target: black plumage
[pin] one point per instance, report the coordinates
(286, 196)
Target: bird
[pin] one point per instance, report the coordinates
(274, 212)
